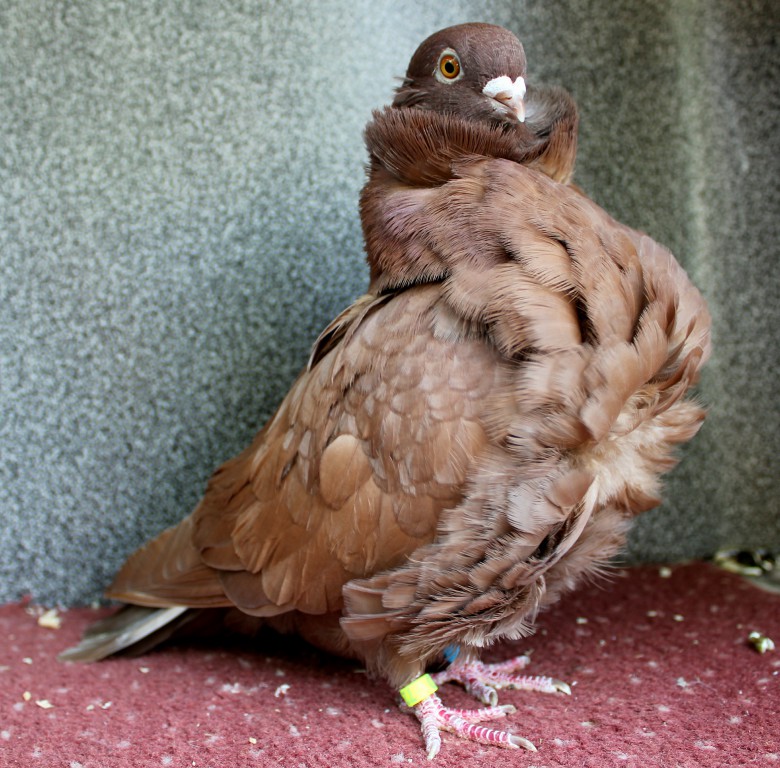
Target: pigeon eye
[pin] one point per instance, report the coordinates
(449, 66)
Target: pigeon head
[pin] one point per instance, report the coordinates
(464, 96)
(475, 71)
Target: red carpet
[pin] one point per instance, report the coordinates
(662, 673)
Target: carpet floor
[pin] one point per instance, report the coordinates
(659, 660)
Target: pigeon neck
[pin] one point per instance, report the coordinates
(415, 151)
(419, 147)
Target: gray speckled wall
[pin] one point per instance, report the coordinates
(178, 192)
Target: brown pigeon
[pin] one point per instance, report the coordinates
(473, 435)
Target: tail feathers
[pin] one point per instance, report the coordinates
(133, 629)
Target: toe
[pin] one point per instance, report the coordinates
(465, 723)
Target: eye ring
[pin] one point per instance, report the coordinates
(448, 67)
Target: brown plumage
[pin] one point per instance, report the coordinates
(474, 434)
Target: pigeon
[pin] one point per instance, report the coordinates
(472, 437)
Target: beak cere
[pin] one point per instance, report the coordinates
(508, 93)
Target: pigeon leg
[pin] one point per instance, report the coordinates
(483, 681)
(435, 717)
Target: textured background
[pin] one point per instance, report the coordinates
(178, 191)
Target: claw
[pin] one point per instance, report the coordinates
(482, 692)
(519, 741)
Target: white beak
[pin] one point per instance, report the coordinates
(509, 93)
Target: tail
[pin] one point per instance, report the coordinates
(132, 630)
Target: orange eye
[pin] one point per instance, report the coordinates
(449, 66)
